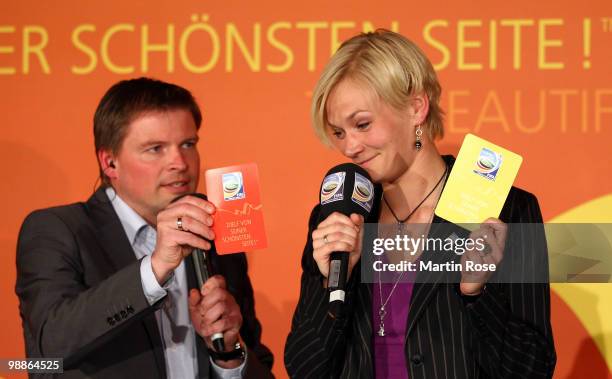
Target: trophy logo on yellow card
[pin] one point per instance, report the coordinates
(488, 163)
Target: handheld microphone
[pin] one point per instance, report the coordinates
(346, 188)
(204, 270)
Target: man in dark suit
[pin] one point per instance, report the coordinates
(104, 284)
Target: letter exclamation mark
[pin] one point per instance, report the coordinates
(586, 43)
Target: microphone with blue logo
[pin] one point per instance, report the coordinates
(204, 269)
(347, 188)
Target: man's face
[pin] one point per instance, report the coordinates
(157, 161)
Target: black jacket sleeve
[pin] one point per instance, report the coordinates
(512, 334)
(315, 337)
(62, 316)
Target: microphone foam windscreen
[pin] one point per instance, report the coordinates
(346, 188)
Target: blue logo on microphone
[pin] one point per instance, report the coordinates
(332, 188)
(363, 192)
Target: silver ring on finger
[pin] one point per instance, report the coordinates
(486, 250)
(179, 224)
(325, 239)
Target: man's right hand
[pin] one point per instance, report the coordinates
(174, 244)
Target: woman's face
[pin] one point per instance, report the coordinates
(371, 133)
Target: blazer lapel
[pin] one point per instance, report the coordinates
(111, 236)
(427, 282)
(366, 330)
(118, 252)
(360, 359)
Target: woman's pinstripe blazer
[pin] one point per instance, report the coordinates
(504, 333)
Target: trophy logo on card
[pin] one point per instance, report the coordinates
(333, 187)
(233, 188)
(238, 220)
(488, 163)
(363, 192)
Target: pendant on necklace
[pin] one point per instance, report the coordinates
(400, 228)
(381, 329)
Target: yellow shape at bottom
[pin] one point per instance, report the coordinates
(592, 302)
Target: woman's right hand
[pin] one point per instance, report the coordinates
(337, 233)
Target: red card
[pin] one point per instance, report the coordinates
(238, 221)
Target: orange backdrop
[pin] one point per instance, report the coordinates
(532, 76)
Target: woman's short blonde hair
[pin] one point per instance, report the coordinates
(388, 63)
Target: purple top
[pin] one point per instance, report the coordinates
(389, 357)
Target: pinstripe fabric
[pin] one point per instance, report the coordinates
(505, 333)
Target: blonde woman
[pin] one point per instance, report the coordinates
(377, 103)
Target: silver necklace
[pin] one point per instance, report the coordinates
(400, 222)
(382, 312)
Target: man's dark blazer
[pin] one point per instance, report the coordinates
(503, 333)
(81, 297)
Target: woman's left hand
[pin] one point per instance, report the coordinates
(493, 231)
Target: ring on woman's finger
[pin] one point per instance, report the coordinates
(179, 224)
(325, 239)
(486, 250)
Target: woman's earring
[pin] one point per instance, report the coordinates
(418, 143)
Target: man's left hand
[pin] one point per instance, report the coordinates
(214, 310)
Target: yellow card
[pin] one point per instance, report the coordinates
(478, 183)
